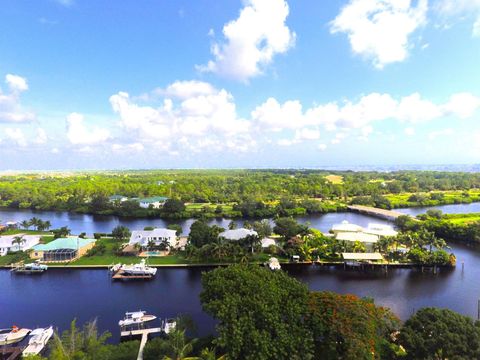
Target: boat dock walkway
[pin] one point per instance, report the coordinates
(144, 334)
(381, 213)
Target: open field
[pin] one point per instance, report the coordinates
(335, 179)
(462, 219)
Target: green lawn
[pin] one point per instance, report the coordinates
(462, 219)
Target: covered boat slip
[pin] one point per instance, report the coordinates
(357, 259)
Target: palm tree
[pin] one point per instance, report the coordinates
(47, 225)
(210, 354)
(179, 346)
(35, 222)
(19, 240)
(25, 224)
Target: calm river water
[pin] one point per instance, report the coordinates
(60, 295)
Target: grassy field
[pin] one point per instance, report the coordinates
(450, 197)
(462, 219)
(335, 179)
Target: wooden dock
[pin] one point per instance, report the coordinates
(144, 334)
(381, 213)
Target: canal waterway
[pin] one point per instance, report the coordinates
(59, 295)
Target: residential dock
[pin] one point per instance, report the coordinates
(144, 334)
(380, 213)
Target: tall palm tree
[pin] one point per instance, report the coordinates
(19, 240)
(25, 224)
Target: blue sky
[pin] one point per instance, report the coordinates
(253, 83)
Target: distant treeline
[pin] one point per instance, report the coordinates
(89, 192)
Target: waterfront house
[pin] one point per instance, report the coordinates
(237, 234)
(155, 202)
(366, 239)
(62, 249)
(345, 226)
(157, 236)
(117, 198)
(8, 243)
(380, 230)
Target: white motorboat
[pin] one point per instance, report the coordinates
(273, 264)
(138, 269)
(31, 268)
(169, 325)
(38, 340)
(136, 317)
(13, 335)
(115, 268)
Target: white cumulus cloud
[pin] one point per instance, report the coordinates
(461, 9)
(17, 136)
(380, 30)
(11, 109)
(79, 134)
(252, 40)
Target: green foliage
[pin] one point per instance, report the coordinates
(173, 206)
(288, 227)
(178, 228)
(347, 327)
(440, 334)
(61, 232)
(121, 233)
(202, 234)
(260, 313)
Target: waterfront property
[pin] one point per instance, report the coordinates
(62, 250)
(156, 237)
(18, 242)
(117, 198)
(367, 236)
(237, 234)
(155, 202)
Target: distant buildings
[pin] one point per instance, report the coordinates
(9, 243)
(117, 198)
(62, 249)
(237, 234)
(157, 236)
(155, 202)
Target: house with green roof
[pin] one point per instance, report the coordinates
(62, 249)
(155, 202)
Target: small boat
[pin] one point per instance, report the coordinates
(13, 335)
(138, 269)
(39, 338)
(115, 268)
(31, 268)
(136, 317)
(169, 326)
(273, 264)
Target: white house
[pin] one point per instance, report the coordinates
(380, 230)
(237, 234)
(117, 198)
(155, 202)
(267, 242)
(345, 226)
(7, 243)
(158, 236)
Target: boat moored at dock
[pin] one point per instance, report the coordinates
(38, 341)
(133, 271)
(136, 318)
(30, 268)
(13, 335)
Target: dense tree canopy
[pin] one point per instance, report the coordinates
(347, 327)
(440, 334)
(261, 313)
